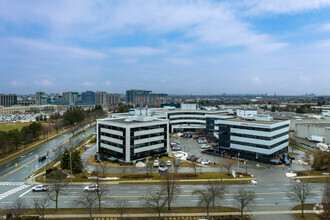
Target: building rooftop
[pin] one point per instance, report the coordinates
(321, 125)
(132, 119)
(239, 119)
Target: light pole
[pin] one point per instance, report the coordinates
(70, 160)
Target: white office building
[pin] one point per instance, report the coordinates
(131, 138)
(187, 118)
(252, 136)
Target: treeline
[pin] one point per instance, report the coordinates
(11, 140)
(76, 114)
(306, 109)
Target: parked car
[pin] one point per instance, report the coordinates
(176, 148)
(42, 158)
(192, 158)
(195, 137)
(275, 162)
(156, 163)
(177, 162)
(40, 188)
(168, 163)
(91, 188)
(175, 143)
(182, 135)
(203, 161)
(162, 164)
(205, 146)
(189, 136)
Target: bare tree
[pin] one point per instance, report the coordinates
(228, 164)
(155, 201)
(102, 189)
(220, 167)
(89, 201)
(56, 187)
(307, 158)
(217, 191)
(103, 166)
(18, 208)
(300, 192)
(169, 187)
(244, 199)
(205, 199)
(40, 205)
(148, 167)
(194, 166)
(121, 206)
(326, 200)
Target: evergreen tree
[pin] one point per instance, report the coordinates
(65, 161)
(77, 165)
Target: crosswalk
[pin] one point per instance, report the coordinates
(11, 183)
(8, 193)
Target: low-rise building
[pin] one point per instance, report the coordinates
(256, 137)
(28, 109)
(132, 137)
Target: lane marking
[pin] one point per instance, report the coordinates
(10, 192)
(25, 192)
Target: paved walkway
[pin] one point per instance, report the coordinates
(172, 215)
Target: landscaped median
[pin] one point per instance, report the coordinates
(311, 212)
(312, 176)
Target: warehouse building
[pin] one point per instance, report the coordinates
(305, 130)
(251, 136)
(131, 138)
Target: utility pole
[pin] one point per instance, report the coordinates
(238, 162)
(70, 160)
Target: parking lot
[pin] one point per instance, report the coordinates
(265, 173)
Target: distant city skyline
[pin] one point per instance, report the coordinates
(175, 47)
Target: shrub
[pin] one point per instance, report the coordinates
(185, 175)
(137, 176)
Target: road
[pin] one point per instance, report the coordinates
(12, 179)
(271, 191)
(268, 197)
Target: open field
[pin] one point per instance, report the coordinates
(309, 216)
(10, 126)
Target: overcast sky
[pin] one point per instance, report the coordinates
(177, 47)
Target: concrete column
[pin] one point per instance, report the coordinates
(128, 145)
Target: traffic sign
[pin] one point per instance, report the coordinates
(15, 164)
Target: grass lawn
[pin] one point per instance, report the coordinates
(310, 173)
(309, 216)
(143, 211)
(314, 180)
(10, 126)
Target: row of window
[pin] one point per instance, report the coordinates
(112, 136)
(135, 156)
(254, 128)
(112, 144)
(187, 123)
(147, 136)
(164, 141)
(259, 145)
(186, 118)
(259, 137)
(148, 128)
(111, 127)
(186, 113)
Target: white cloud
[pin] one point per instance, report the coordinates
(44, 82)
(136, 51)
(88, 84)
(324, 27)
(107, 83)
(40, 45)
(256, 80)
(16, 83)
(285, 6)
(179, 61)
(304, 78)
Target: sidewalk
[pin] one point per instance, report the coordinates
(32, 181)
(150, 215)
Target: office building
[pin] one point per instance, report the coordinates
(88, 98)
(71, 97)
(106, 99)
(252, 136)
(8, 100)
(145, 97)
(131, 138)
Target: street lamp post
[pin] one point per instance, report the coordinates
(70, 161)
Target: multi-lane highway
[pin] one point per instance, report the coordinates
(12, 179)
